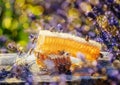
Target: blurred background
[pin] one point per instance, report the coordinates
(98, 19)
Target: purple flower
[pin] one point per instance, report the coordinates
(3, 39)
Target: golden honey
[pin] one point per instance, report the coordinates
(52, 42)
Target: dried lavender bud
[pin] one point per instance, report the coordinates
(59, 27)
